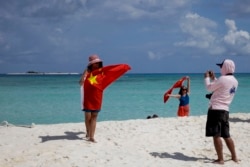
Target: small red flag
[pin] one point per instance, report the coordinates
(177, 84)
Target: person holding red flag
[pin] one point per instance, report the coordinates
(183, 96)
(96, 80)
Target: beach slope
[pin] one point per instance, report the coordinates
(147, 142)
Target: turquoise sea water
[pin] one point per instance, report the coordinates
(50, 99)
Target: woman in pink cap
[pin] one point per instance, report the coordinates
(90, 113)
(96, 80)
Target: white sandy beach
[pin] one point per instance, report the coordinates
(147, 142)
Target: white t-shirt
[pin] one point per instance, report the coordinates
(223, 89)
(85, 73)
(82, 96)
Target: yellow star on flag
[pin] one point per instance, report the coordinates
(92, 79)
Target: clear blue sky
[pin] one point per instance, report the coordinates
(152, 36)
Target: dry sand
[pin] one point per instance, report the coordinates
(155, 142)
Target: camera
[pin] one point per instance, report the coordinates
(208, 96)
(210, 73)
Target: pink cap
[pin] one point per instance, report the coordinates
(94, 59)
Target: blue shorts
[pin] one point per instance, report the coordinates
(217, 123)
(86, 110)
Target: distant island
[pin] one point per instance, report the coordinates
(44, 73)
(32, 72)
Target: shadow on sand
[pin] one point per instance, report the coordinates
(239, 120)
(177, 156)
(67, 136)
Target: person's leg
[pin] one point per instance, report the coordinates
(93, 125)
(219, 149)
(226, 136)
(87, 123)
(230, 144)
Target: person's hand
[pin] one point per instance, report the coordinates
(206, 74)
(211, 74)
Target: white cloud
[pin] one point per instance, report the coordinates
(237, 40)
(137, 9)
(198, 27)
(200, 33)
(231, 25)
(154, 56)
(234, 36)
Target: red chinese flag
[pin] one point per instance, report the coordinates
(165, 95)
(97, 81)
(113, 72)
(177, 84)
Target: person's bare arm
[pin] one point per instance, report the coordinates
(188, 85)
(176, 96)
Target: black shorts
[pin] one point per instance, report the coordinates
(217, 123)
(86, 110)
